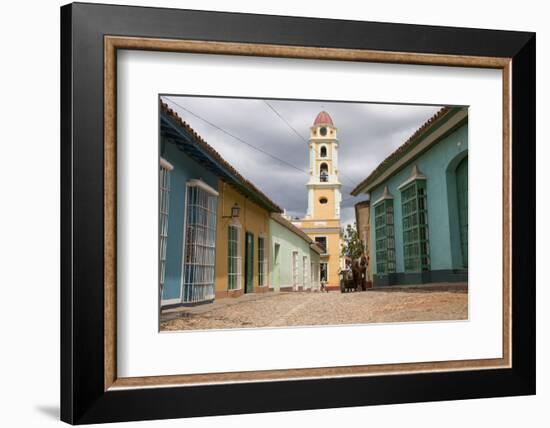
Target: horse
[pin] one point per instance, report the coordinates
(359, 270)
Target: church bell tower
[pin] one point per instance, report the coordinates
(322, 220)
(324, 196)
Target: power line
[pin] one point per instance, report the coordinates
(285, 121)
(300, 135)
(243, 141)
(237, 138)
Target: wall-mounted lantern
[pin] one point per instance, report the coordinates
(235, 210)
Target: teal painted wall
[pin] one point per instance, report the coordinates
(185, 169)
(280, 272)
(438, 165)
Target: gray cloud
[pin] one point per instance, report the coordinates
(367, 133)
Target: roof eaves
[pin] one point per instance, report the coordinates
(316, 248)
(403, 149)
(215, 157)
(284, 222)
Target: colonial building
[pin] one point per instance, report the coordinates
(294, 261)
(213, 223)
(419, 205)
(242, 240)
(322, 221)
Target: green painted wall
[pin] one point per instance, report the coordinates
(438, 164)
(280, 265)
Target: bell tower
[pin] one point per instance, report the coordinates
(322, 220)
(324, 196)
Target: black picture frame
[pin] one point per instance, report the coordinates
(83, 398)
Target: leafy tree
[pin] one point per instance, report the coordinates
(352, 246)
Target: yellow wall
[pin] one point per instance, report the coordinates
(326, 160)
(333, 258)
(331, 132)
(333, 248)
(252, 218)
(323, 222)
(317, 223)
(333, 243)
(323, 211)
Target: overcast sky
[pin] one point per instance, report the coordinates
(367, 133)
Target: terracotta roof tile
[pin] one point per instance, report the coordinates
(284, 222)
(323, 118)
(212, 152)
(401, 150)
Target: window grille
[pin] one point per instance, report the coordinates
(305, 275)
(385, 238)
(164, 189)
(262, 262)
(200, 245)
(234, 259)
(314, 272)
(416, 248)
(295, 269)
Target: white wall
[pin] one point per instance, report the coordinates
(29, 231)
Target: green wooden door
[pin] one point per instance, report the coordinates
(462, 193)
(249, 263)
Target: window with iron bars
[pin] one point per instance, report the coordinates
(262, 262)
(295, 269)
(385, 238)
(305, 274)
(416, 247)
(200, 245)
(234, 259)
(314, 273)
(164, 205)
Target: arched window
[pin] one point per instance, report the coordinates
(323, 172)
(323, 152)
(323, 200)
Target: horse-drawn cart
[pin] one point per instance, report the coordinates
(347, 282)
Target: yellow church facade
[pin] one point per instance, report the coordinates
(322, 220)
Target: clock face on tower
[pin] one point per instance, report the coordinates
(323, 131)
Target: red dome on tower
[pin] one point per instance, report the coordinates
(323, 118)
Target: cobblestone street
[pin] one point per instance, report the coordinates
(441, 302)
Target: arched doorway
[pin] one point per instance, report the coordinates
(462, 205)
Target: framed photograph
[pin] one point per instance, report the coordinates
(267, 213)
